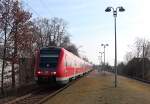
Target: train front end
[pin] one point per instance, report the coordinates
(46, 65)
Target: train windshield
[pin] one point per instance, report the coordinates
(49, 58)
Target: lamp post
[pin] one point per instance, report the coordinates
(101, 54)
(121, 9)
(100, 60)
(104, 45)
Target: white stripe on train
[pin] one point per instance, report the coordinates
(67, 78)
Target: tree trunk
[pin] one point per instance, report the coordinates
(14, 58)
(13, 75)
(3, 65)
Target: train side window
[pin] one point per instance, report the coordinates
(69, 63)
(75, 63)
(66, 61)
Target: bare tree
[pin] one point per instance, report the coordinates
(138, 59)
(146, 47)
(138, 47)
(142, 48)
(50, 31)
(65, 41)
(16, 29)
(128, 56)
(5, 20)
(72, 48)
(20, 37)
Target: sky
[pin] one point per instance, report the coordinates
(90, 26)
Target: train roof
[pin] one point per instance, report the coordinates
(61, 48)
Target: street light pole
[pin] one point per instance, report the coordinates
(101, 54)
(115, 51)
(104, 45)
(121, 9)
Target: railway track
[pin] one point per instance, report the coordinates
(40, 96)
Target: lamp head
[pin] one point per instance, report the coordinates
(108, 9)
(121, 9)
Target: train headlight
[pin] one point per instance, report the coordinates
(39, 72)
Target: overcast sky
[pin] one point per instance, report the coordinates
(90, 26)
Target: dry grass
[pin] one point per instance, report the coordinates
(99, 89)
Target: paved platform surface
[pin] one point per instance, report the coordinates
(97, 88)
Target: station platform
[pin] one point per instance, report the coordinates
(98, 88)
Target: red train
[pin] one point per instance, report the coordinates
(59, 65)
